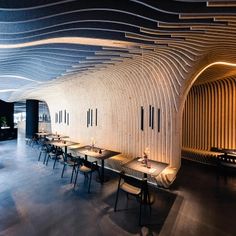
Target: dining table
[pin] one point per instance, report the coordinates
(63, 144)
(99, 154)
(53, 137)
(43, 134)
(147, 168)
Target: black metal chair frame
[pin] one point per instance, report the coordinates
(69, 161)
(43, 149)
(54, 152)
(138, 183)
(92, 165)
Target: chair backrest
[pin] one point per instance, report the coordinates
(50, 148)
(140, 183)
(59, 151)
(92, 165)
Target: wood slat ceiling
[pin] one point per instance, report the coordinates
(44, 41)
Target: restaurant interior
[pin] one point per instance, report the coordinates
(117, 117)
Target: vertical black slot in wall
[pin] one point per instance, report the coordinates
(96, 117)
(68, 116)
(152, 117)
(65, 116)
(91, 117)
(158, 120)
(59, 117)
(88, 117)
(142, 120)
(56, 117)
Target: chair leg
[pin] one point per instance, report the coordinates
(63, 169)
(117, 194)
(72, 174)
(39, 155)
(76, 175)
(90, 178)
(149, 203)
(54, 164)
(140, 211)
(47, 158)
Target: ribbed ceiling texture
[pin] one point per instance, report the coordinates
(44, 41)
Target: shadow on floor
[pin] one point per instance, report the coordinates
(127, 212)
(8, 211)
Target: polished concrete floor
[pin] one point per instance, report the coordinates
(34, 200)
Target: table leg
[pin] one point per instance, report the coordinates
(65, 153)
(145, 190)
(102, 172)
(102, 178)
(148, 199)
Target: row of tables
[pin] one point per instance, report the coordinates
(155, 167)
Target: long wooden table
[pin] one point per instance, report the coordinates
(98, 153)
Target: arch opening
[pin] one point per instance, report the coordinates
(208, 114)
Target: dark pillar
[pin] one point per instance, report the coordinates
(32, 114)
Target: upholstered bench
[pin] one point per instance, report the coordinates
(116, 162)
(202, 156)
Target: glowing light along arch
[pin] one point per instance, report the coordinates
(206, 67)
(72, 40)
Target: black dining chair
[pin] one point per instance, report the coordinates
(134, 187)
(70, 161)
(87, 168)
(42, 150)
(55, 154)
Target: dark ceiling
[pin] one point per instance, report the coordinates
(44, 40)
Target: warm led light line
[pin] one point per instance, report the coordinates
(73, 40)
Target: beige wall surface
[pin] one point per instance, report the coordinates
(161, 79)
(118, 94)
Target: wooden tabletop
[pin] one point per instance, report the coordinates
(43, 134)
(96, 152)
(56, 136)
(155, 169)
(62, 143)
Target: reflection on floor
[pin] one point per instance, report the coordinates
(34, 200)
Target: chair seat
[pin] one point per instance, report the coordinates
(70, 162)
(84, 169)
(130, 189)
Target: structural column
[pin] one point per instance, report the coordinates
(32, 113)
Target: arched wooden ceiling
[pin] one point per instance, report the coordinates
(44, 41)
